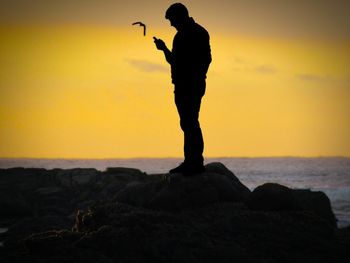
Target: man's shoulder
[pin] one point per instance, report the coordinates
(200, 30)
(193, 31)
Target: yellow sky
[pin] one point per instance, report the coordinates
(71, 90)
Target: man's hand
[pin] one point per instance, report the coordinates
(160, 44)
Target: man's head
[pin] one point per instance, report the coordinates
(177, 14)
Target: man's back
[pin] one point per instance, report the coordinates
(191, 54)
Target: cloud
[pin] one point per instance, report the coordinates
(265, 69)
(241, 63)
(312, 77)
(147, 66)
(239, 60)
(321, 80)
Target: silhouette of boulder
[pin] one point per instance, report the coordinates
(75, 177)
(50, 190)
(125, 215)
(272, 197)
(218, 232)
(14, 205)
(22, 180)
(317, 202)
(178, 192)
(124, 173)
(276, 197)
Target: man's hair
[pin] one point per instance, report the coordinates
(176, 10)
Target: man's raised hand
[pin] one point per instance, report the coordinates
(160, 44)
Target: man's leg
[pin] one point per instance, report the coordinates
(193, 138)
(188, 107)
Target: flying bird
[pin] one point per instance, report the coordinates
(141, 24)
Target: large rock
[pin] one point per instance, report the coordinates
(15, 186)
(272, 197)
(220, 232)
(178, 192)
(15, 205)
(124, 215)
(317, 202)
(124, 173)
(276, 197)
(76, 177)
(22, 180)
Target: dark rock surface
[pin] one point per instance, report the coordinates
(177, 193)
(125, 215)
(276, 197)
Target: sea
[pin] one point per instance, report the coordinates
(328, 174)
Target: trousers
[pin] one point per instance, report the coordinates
(188, 106)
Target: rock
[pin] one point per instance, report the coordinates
(219, 168)
(317, 202)
(15, 205)
(177, 192)
(49, 190)
(84, 176)
(77, 176)
(272, 197)
(116, 178)
(50, 239)
(124, 215)
(26, 226)
(276, 197)
(133, 234)
(220, 232)
(124, 172)
(343, 236)
(20, 179)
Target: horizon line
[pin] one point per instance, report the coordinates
(176, 157)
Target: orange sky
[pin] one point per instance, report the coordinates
(88, 85)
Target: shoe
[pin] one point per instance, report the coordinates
(179, 169)
(188, 169)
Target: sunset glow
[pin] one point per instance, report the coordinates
(78, 90)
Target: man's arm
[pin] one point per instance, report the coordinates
(161, 46)
(203, 53)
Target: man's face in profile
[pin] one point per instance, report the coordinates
(176, 22)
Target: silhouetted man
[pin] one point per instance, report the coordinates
(189, 59)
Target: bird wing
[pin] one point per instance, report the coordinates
(141, 24)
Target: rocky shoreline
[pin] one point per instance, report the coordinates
(125, 215)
